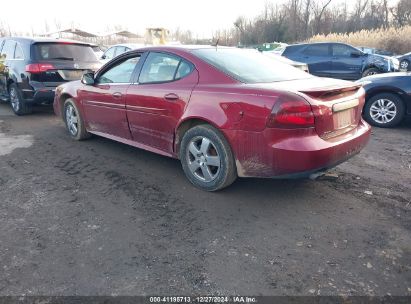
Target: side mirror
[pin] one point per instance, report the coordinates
(103, 56)
(88, 79)
(355, 55)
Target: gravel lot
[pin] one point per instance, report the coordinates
(101, 218)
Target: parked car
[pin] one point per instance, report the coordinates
(224, 112)
(299, 65)
(372, 51)
(280, 49)
(98, 51)
(31, 69)
(388, 98)
(405, 61)
(118, 49)
(338, 60)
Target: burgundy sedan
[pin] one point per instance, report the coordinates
(224, 112)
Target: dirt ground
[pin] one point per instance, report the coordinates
(101, 218)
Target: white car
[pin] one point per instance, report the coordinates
(115, 50)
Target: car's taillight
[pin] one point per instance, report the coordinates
(291, 114)
(39, 67)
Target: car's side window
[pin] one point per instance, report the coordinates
(8, 49)
(119, 73)
(342, 50)
(1, 45)
(316, 50)
(109, 53)
(18, 53)
(161, 67)
(184, 69)
(120, 50)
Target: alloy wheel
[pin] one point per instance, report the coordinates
(14, 100)
(203, 160)
(71, 119)
(404, 65)
(383, 111)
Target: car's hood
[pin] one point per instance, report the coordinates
(377, 58)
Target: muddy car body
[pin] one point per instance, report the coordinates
(222, 119)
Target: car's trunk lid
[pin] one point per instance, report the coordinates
(336, 110)
(336, 104)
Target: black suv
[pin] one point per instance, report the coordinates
(31, 69)
(339, 60)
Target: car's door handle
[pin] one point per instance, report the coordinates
(117, 95)
(171, 97)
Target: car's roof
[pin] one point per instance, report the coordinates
(167, 46)
(315, 43)
(182, 47)
(129, 45)
(44, 39)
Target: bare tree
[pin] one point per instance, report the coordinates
(318, 10)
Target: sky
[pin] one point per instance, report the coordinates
(201, 17)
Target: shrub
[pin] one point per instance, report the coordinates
(397, 40)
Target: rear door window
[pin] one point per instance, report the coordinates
(183, 69)
(18, 52)
(161, 67)
(341, 50)
(63, 51)
(320, 50)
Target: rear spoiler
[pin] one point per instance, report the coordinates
(330, 91)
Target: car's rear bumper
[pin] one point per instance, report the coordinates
(279, 153)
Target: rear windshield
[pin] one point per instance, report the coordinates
(63, 51)
(249, 66)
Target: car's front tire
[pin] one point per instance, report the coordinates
(384, 110)
(74, 121)
(18, 105)
(207, 159)
(370, 72)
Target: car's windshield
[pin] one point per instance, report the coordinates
(249, 66)
(63, 51)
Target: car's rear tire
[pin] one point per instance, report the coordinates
(370, 71)
(207, 159)
(384, 110)
(18, 105)
(74, 121)
(405, 65)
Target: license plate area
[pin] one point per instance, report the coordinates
(343, 119)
